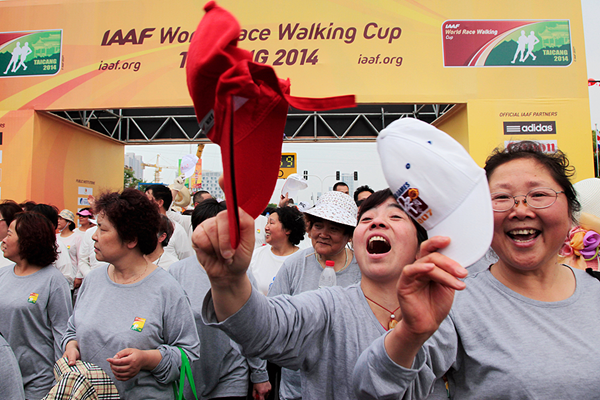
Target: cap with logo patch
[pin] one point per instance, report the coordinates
(437, 183)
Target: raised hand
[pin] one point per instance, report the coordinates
(425, 292)
(226, 267)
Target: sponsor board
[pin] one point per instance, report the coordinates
(507, 43)
(546, 146)
(529, 127)
(30, 53)
(85, 191)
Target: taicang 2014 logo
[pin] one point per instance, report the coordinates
(507, 43)
(30, 53)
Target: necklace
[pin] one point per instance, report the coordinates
(318, 257)
(393, 321)
(131, 280)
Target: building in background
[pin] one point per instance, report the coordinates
(210, 183)
(135, 163)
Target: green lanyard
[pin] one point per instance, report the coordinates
(186, 370)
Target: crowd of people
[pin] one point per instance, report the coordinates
(347, 299)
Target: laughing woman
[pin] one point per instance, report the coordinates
(321, 332)
(523, 327)
(131, 316)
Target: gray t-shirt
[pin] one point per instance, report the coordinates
(34, 310)
(153, 313)
(299, 273)
(321, 332)
(11, 382)
(498, 344)
(221, 371)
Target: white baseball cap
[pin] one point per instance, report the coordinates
(588, 194)
(292, 185)
(437, 183)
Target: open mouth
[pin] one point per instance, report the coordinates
(378, 245)
(523, 235)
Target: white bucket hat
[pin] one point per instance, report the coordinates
(292, 185)
(437, 183)
(337, 207)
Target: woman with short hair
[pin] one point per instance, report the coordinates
(131, 317)
(35, 301)
(284, 230)
(8, 210)
(68, 236)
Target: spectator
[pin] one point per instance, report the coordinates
(200, 196)
(341, 187)
(131, 317)
(35, 301)
(284, 231)
(8, 210)
(221, 371)
(159, 256)
(63, 262)
(179, 244)
(362, 193)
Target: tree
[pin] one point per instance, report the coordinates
(130, 181)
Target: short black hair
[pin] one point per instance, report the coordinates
(361, 189)
(338, 184)
(557, 164)
(37, 240)
(48, 211)
(205, 210)
(8, 210)
(198, 196)
(165, 226)
(377, 199)
(133, 215)
(161, 192)
(292, 219)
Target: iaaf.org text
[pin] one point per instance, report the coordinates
(131, 65)
(397, 61)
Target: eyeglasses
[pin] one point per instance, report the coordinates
(536, 198)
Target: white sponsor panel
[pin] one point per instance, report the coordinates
(83, 201)
(85, 191)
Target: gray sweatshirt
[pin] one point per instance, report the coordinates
(34, 310)
(11, 383)
(153, 313)
(321, 332)
(498, 344)
(299, 273)
(221, 370)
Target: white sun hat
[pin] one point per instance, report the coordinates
(337, 207)
(437, 183)
(292, 185)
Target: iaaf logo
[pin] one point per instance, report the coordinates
(530, 128)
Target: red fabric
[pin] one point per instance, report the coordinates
(223, 77)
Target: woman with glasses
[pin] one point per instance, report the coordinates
(522, 328)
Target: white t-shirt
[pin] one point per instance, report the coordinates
(264, 266)
(72, 242)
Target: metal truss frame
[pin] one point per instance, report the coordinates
(179, 125)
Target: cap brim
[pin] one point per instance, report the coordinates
(470, 227)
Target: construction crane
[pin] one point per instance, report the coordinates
(157, 169)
